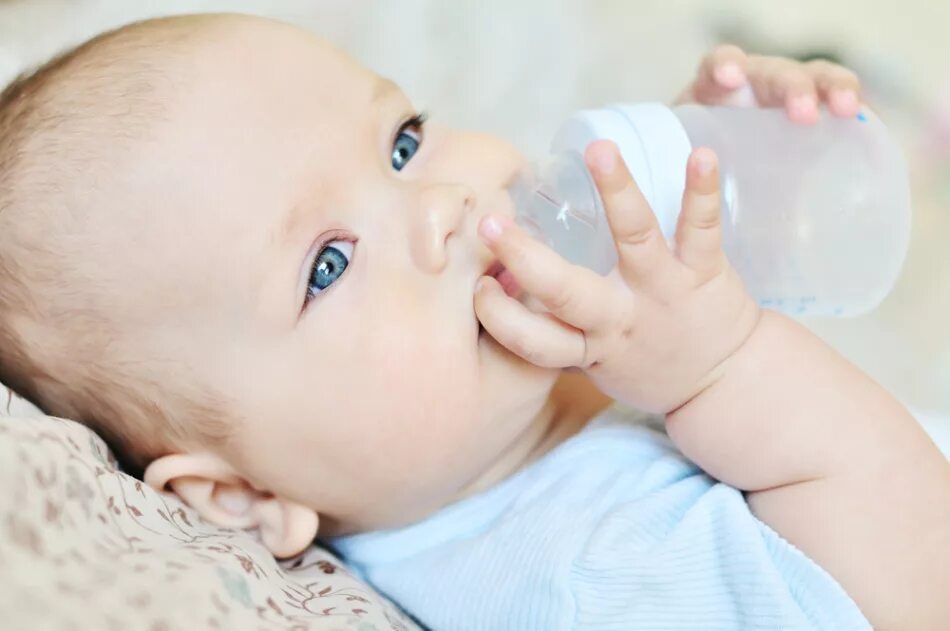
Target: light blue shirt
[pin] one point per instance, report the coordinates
(613, 529)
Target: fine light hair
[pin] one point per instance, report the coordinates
(61, 345)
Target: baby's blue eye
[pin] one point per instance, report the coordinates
(328, 266)
(407, 142)
(404, 148)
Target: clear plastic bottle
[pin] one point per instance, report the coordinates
(816, 219)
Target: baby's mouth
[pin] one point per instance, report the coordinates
(505, 278)
(507, 281)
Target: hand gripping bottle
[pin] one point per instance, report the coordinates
(816, 219)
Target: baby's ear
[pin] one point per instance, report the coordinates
(211, 486)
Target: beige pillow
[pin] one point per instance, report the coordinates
(85, 546)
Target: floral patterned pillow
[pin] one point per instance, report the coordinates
(85, 546)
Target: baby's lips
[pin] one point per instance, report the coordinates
(507, 281)
(505, 278)
(493, 268)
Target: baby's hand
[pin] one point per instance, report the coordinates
(728, 76)
(657, 330)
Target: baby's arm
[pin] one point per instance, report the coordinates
(835, 464)
(829, 459)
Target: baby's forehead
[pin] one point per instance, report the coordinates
(189, 141)
(258, 125)
(276, 57)
(273, 82)
(253, 139)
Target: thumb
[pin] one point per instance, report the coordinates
(538, 338)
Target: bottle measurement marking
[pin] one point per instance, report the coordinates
(562, 209)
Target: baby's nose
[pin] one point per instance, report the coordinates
(443, 208)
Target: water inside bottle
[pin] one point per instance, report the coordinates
(558, 204)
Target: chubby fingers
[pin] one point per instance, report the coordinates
(575, 294)
(800, 87)
(698, 231)
(644, 257)
(721, 74)
(535, 337)
(783, 82)
(839, 87)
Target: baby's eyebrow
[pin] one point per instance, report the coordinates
(383, 88)
(299, 217)
(293, 222)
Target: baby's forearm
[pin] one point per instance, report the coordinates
(832, 462)
(786, 408)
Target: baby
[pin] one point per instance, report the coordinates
(251, 266)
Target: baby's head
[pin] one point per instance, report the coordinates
(236, 254)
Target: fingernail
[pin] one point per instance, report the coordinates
(605, 160)
(804, 104)
(704, 161)
(491, 227)
(730, 74)
(845, 101)
(479, 283)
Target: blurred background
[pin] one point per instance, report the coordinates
(519, 67)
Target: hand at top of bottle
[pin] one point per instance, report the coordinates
(729, 76)
(658, 329)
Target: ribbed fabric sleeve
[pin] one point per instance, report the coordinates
(614, 529)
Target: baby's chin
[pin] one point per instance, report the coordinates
(506, 374)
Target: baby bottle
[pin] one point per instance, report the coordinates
(816, 220)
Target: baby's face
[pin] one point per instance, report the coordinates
(314, 255)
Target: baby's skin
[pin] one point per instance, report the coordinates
(286, 231)
(826, 456)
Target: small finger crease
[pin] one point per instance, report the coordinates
(639, 237)
(560, 300)
(710, 222)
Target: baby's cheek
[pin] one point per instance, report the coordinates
(430, 378)
(427, 389)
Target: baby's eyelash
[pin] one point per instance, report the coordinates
(417, 121)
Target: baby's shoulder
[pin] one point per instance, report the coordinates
(619, 436)
(620, 456)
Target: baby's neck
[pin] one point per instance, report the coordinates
(573, 402)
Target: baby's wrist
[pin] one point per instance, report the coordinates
(712, 381)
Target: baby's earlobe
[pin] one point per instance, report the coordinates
(287, 528)
(219, 495)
